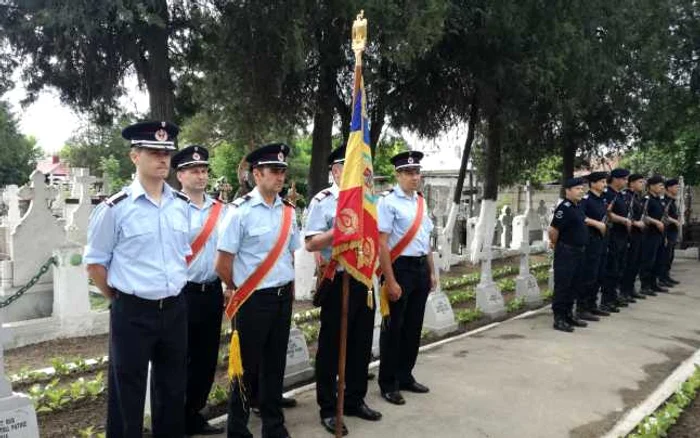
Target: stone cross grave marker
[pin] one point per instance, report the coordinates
(506, 221)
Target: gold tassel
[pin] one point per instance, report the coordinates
(370, 298)
(384, 300)
(235, 363)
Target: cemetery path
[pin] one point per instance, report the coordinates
(524, 379)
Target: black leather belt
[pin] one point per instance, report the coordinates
(277, 290)
(201, 287)
(580, 248)
(162, 303)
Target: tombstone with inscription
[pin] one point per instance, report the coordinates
(17, 415)
(526, 286)
(304, 273)
(439, 317)
(298, 368)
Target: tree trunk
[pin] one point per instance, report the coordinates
(323, 131)
(161, 94)
(466, 152)
(493, 155)
(568, 153)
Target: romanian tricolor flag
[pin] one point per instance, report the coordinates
(355, 236)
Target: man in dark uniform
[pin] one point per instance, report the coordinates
(596, 210)
(135, 254)
(672, 226)
(617, 241)
(652, 245)
(410, 278)
(568, 235)
(319, 237)
(250, 232)
(205, 299)
(635, 202)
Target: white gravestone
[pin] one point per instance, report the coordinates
(35, 237)
(439, 317)
(17, 415)
(12, 201)
(488, 295)
(78, 217)
(526, 286)
(298, 368)
(506, 221)
(519, 231)
(71, 297)
(304, 273)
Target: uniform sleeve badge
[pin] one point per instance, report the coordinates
(559, 214)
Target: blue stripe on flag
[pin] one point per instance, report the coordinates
(357, 112)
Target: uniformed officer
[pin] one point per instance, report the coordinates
(617, 242)
(652, 245)
(251, 229)
(568, 235)
(137, 244)
(635, 202)
(319, 237)
(672, 228)
(595, 208)
(410, 278)
(203, 290)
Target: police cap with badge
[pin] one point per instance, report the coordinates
(634, 177)
(337, 156)
(272, 155)
(194, 155)
(596, 176)
(152, 135)
(619, 173)
(573, 182)
(654, 180)
(671, 182)
(407, 160)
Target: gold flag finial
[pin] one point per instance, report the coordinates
(359, 35)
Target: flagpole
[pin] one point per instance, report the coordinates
(359, 41)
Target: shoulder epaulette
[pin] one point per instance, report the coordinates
(386, 192)
(116, 198)
(240, 201)
(567, 204)
(289, 203)
(585, 196)
(182, 196)
(323, 194)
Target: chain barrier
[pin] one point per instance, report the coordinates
(42, 270)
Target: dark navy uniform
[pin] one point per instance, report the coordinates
(143, 244)
(569, 220)
(635, 204)
(205, 301)
(652, 245)
(594, 207)
(671, 236)
(617, 247)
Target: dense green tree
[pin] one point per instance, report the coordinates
(18, 154)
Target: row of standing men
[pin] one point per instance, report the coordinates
(160, 256)
(625, 227)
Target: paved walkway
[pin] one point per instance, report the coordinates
(523, 379)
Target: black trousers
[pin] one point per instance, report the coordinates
(592, 265)
(141, 331)
(568, 277)
(615, 265)
(400, 335)
(667, 256)
(263, 324)
(652, 247)
(634, 260)
(359, 346)
(204, 312)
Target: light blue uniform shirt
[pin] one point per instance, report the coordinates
(321, 215)
(142, 244)
(396, 213)
(249, 232)
(201, 270)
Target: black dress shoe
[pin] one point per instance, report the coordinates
(394, 397)
(609, 307)
(329, 424)
(598, 312)
(638, 296)
(671, 280)
(666, 283)
(363, 411)
(415, 387)
(562, 325)
(621, 302)
(288, 402)
(657, 288)
(648, 292)
(572, 320)
(587, 316)
(206, 429)
(630, 299)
